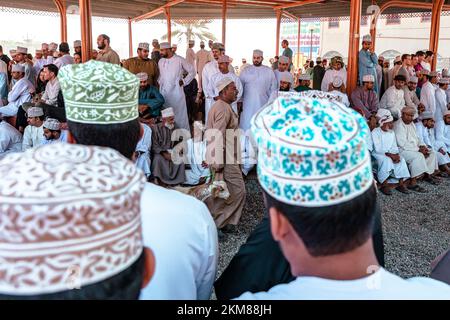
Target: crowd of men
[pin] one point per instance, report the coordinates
(76, 127)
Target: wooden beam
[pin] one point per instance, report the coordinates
(224, 20)
(297, 4)
(62, 9)
(169, 24)
(130, 37)
(86, 29)
(298, 41)
(435, 28)
(157, 11)
(355, 22)
(277, 41)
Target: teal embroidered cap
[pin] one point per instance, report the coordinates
(312, 151)
(99, 93)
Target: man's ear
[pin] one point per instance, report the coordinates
(279, 225)
(149, 266)
(70, 138)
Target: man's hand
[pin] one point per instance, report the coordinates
(421, 108)
(442, 151)
(181, 83)
(394, 157)
(205, 165)
(424, 150)
(198, 99)
(166, 155)
(142, 108)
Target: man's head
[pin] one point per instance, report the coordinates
(408, 114)
(174, 48)
(433, 77)
(92, 194)
(286, 81)
(52, 129)
(337, 63)
(168, 118)
(77, 46)
(52, 47)
(143, 80)
(224, 63)
(283, 64)
(202, 44)
(429, 55)
(103, 41)
(304, 80)
(412, 83)
(319, 213)
(35, 116)
(64, 48)
(427, 119)
(210, 44)
(386, 64)
(155, 43)
(399, 81)
(319, 61)
(111, 121)
(367, 42)
(337, 83)
(21, 53)
(50, 72)
(447, 117)
(77, 58)
(191, 43)
(414, 60)
(368, 82)
(443, 83)
(324, 63)
(38, 55)
(381, 61)
(17, 71)
(216, 50)
(398, 61)
(424, 75)
(258, 58)
(166, 50)
(285, 44)
(406, 60)
(143, 50)
(227, 90)
(385, 119)
(244, 61)
(420, 56)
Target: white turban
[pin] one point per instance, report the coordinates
(368, 78)
(384, 116)
(337, 82)
(18, 68)
(258, 53)
(168, 112)
(52, 124)
(283, 59)
(142, 76)
(223, 83)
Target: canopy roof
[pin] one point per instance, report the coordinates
(204, 9)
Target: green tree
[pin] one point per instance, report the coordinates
(191, 30)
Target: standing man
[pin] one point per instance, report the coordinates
(441, 99)
(40, 61)
(210, 69)
(22, 59)
(224, 159)
(171, 83)
(106, 54)
(368, 61)
(51, 51)
(259, 82)
(190, 54)
(20, 93)
(364, 99)
(394, 97)
(318, 74)
(224, 72)
(34, 132)
(202, 57)
(4, 57)
(156, 53)
(428, 59)
(66, 58)
(142, 63)
(428, 92)
(379, 68)
(337, 69)
(406, 69)
(287, 52)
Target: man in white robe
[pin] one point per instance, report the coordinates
(224, 72)
(443, 130)
(441, 99)
(426, 133)
(420, 159)
(428, 93)
(34, 132)
(337, 70)
(22, 59)
(39, 61)
(394, 97)
(171, 83)
(202, 57)
(10, 139)
(20, 93)
(66, 58)
(259, 82)
(190, 54)
(199, 172)
(392, 168)
(338, 89)
(142, 152)
(283, 66)
(411, 98)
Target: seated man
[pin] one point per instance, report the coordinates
(394, 97)
(304, 83)
(420, 159)
(151, 100)
(443, 130)
(392, 168)
(329, 257)
(142, 153)
(10, 139)
(198, 171)
(364, 99)
(20, 92)
(164, 170)
(50, 96)
(53, 132)
(283, 66)
(411, 98)
(338, 89)
(34, 132)
(426, 134)
(94, 254)
(285, 85)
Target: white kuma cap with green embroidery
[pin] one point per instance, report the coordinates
(99, 93)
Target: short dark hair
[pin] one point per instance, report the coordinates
(107, 38)
(1, 48)
(400, 77)
(335, 229)
(122, 137)
(420, 53)
(52, 68)
(64, 47)
(123, 286)
(429, 53)
(405, 56)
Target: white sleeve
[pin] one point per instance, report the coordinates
(4, 141)
(27, 141)
(440, 127)
(189, 68)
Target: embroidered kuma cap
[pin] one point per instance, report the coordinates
(312, 151)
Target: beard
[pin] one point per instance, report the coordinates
(257, 64)
(101, 46)
(169, 126)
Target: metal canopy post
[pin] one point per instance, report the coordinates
(86, 29)
(353, 45)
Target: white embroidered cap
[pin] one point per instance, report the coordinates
(18, 68)
(142, 76)
(52, 124)
(53, 46)
(367, 38)
(168, 112)
(286, 77)
(258, 53)
(368, 78)
(304, 77)
(35, 112)
(165, 45)
(443, 81)
(79, 212)
(77, 43)
(283, 59)
(144, 45)
(426, 115)
(337, 82)
(413, 79)
(22, 50)
(312, 151)
(44, 46)
(224, 59)
(192, 42)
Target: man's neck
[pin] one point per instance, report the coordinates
(347, 266)
(225, 100)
